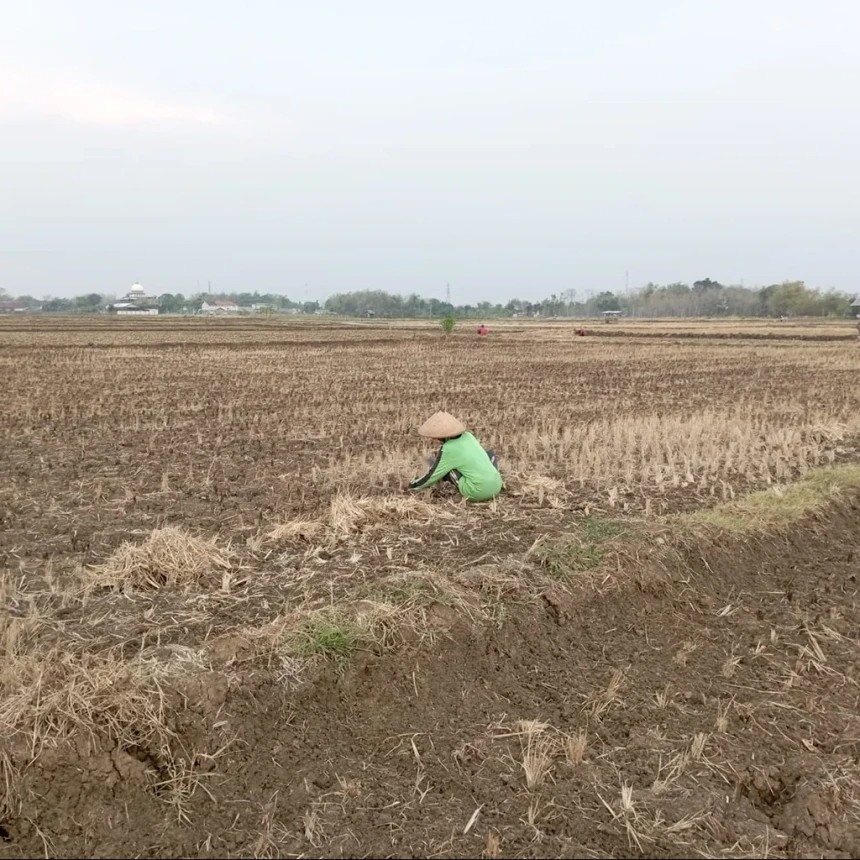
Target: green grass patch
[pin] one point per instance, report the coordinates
(561, 560)
(596, 530)
(780, 505)
(327, 637)
(584, 552)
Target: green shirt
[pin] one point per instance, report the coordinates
(479, 480)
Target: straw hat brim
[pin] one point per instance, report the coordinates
(441, 425)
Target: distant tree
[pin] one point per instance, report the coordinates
(414, 306)
(57, 306)
(280, 302)
(554, 306)
(606, 301)
(87, 304)
(443, 309)
(358, 303)
(706, 284)
(677, 288)
(171, 304)
(28, 301)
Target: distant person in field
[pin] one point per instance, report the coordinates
(460, 460)
(482, 330)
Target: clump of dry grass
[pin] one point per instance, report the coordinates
(168, 557)
(500, 579)
(539, 747)
(348, 515)
(541, 489)
(601, 701)
(304, 529)
(575, 747)
(492, 848)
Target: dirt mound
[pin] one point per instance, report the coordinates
(705, 702)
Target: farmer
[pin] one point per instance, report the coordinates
(461, 460)
(482, 330)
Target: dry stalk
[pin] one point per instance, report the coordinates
(604, 700)
(575, 747)
(538, 749)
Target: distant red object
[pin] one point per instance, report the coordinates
(582, 332)
(482, 330)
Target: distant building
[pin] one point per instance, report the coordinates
(855, 306)
(135, 302)
(136, 294)
(219, 307)
(12, 308)
(611, 316)
(127, 309)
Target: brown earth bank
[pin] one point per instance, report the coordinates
(701, 701)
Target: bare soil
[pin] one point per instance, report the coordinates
(688, 692)
(734, 730)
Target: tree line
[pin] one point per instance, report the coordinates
(701, 298)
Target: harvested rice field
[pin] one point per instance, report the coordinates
(227, 629)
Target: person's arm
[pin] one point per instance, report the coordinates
(438, 470)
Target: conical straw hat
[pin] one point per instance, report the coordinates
(441, 425)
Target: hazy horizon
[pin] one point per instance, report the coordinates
(508, 150)
(298, 295)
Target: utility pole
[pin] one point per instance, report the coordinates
(448, 293)
(626, 281)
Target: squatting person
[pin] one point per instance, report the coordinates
(460, 460)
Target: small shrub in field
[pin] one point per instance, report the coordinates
(448, 324)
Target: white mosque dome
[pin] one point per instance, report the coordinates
(137, 289)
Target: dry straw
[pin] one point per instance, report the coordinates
(168, 557)
(348, 515)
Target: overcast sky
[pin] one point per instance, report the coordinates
(509, 148)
